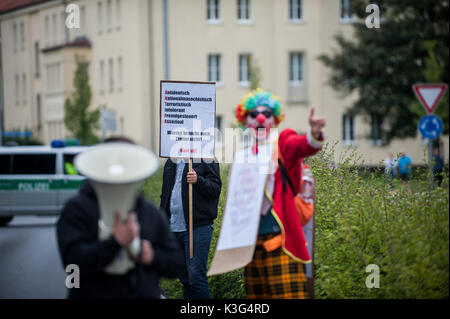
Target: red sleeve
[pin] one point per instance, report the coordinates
(293, 146)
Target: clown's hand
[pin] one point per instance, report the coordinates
(317, 124)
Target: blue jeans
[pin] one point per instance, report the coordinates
(193, 279)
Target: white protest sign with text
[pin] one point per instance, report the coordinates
(187, 112)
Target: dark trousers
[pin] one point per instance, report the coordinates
(438, 177)
(193, 279)
(404, 176)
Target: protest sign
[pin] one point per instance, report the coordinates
(187, 118)
(242, 210)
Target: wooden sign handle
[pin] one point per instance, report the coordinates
(191, 232)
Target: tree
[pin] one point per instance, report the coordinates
(78, 119)
(382, 64)
(255, 74)
(433, 74)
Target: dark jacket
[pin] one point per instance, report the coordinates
(77, 233)
(438, 164)
(205, 193)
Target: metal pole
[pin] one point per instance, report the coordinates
(430, 161)
(152, 120)
(1, 93)
(166, 40)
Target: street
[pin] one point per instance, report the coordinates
(30, 266)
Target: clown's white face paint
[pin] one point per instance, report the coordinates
(261, 124)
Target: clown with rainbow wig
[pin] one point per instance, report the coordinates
(277, 269)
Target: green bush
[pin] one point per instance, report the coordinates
(360, 220)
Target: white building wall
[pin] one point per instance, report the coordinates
(135, 36)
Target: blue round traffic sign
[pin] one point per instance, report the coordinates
(431, 126)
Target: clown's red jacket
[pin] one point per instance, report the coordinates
(292, 148)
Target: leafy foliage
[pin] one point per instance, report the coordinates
(382, 64)
(255, 74)
(77, 117)
(433, 74)
(360, 220)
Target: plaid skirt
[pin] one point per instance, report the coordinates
(274, 275)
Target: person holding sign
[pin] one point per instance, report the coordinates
(277, 268)
(206, 186)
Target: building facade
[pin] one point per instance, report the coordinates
(132, 45)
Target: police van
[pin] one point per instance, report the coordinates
(37, 180)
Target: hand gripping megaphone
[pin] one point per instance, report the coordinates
(116, 171)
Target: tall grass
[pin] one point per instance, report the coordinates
(360, 220)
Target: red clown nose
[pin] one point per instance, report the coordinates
(261, 118)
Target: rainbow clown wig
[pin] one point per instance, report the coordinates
(256, 98)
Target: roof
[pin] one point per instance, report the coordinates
(12, 5)
(79, 42)
(41, 149)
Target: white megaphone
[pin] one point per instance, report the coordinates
(116, 172)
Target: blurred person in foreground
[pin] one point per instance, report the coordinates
(79, 244)
(277, 269)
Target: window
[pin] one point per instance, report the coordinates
(15, 37)
(347, 129)
(5, 164)
(36, 58)
(83, 20)
(214, 68)
(24, 88)
(22, 36)
(99, 17)
(111, 74)
(118, 14)
(213, 12)
(243, 7)
(49, 78)
(53, 77)
(55, 29)
(219, 135)
(47, 69)
(119, 73)
(47, 30)
(346, 13)
(102, 76)
(295, 10)
(68, 159)
(244, 69)
(34, 164)
(219, 122)
(296, 68)
(17, 87)
(376, 129)
(109, 15)
(58, 77)
(62, 29)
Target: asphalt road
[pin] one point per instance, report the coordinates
(30, 266)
